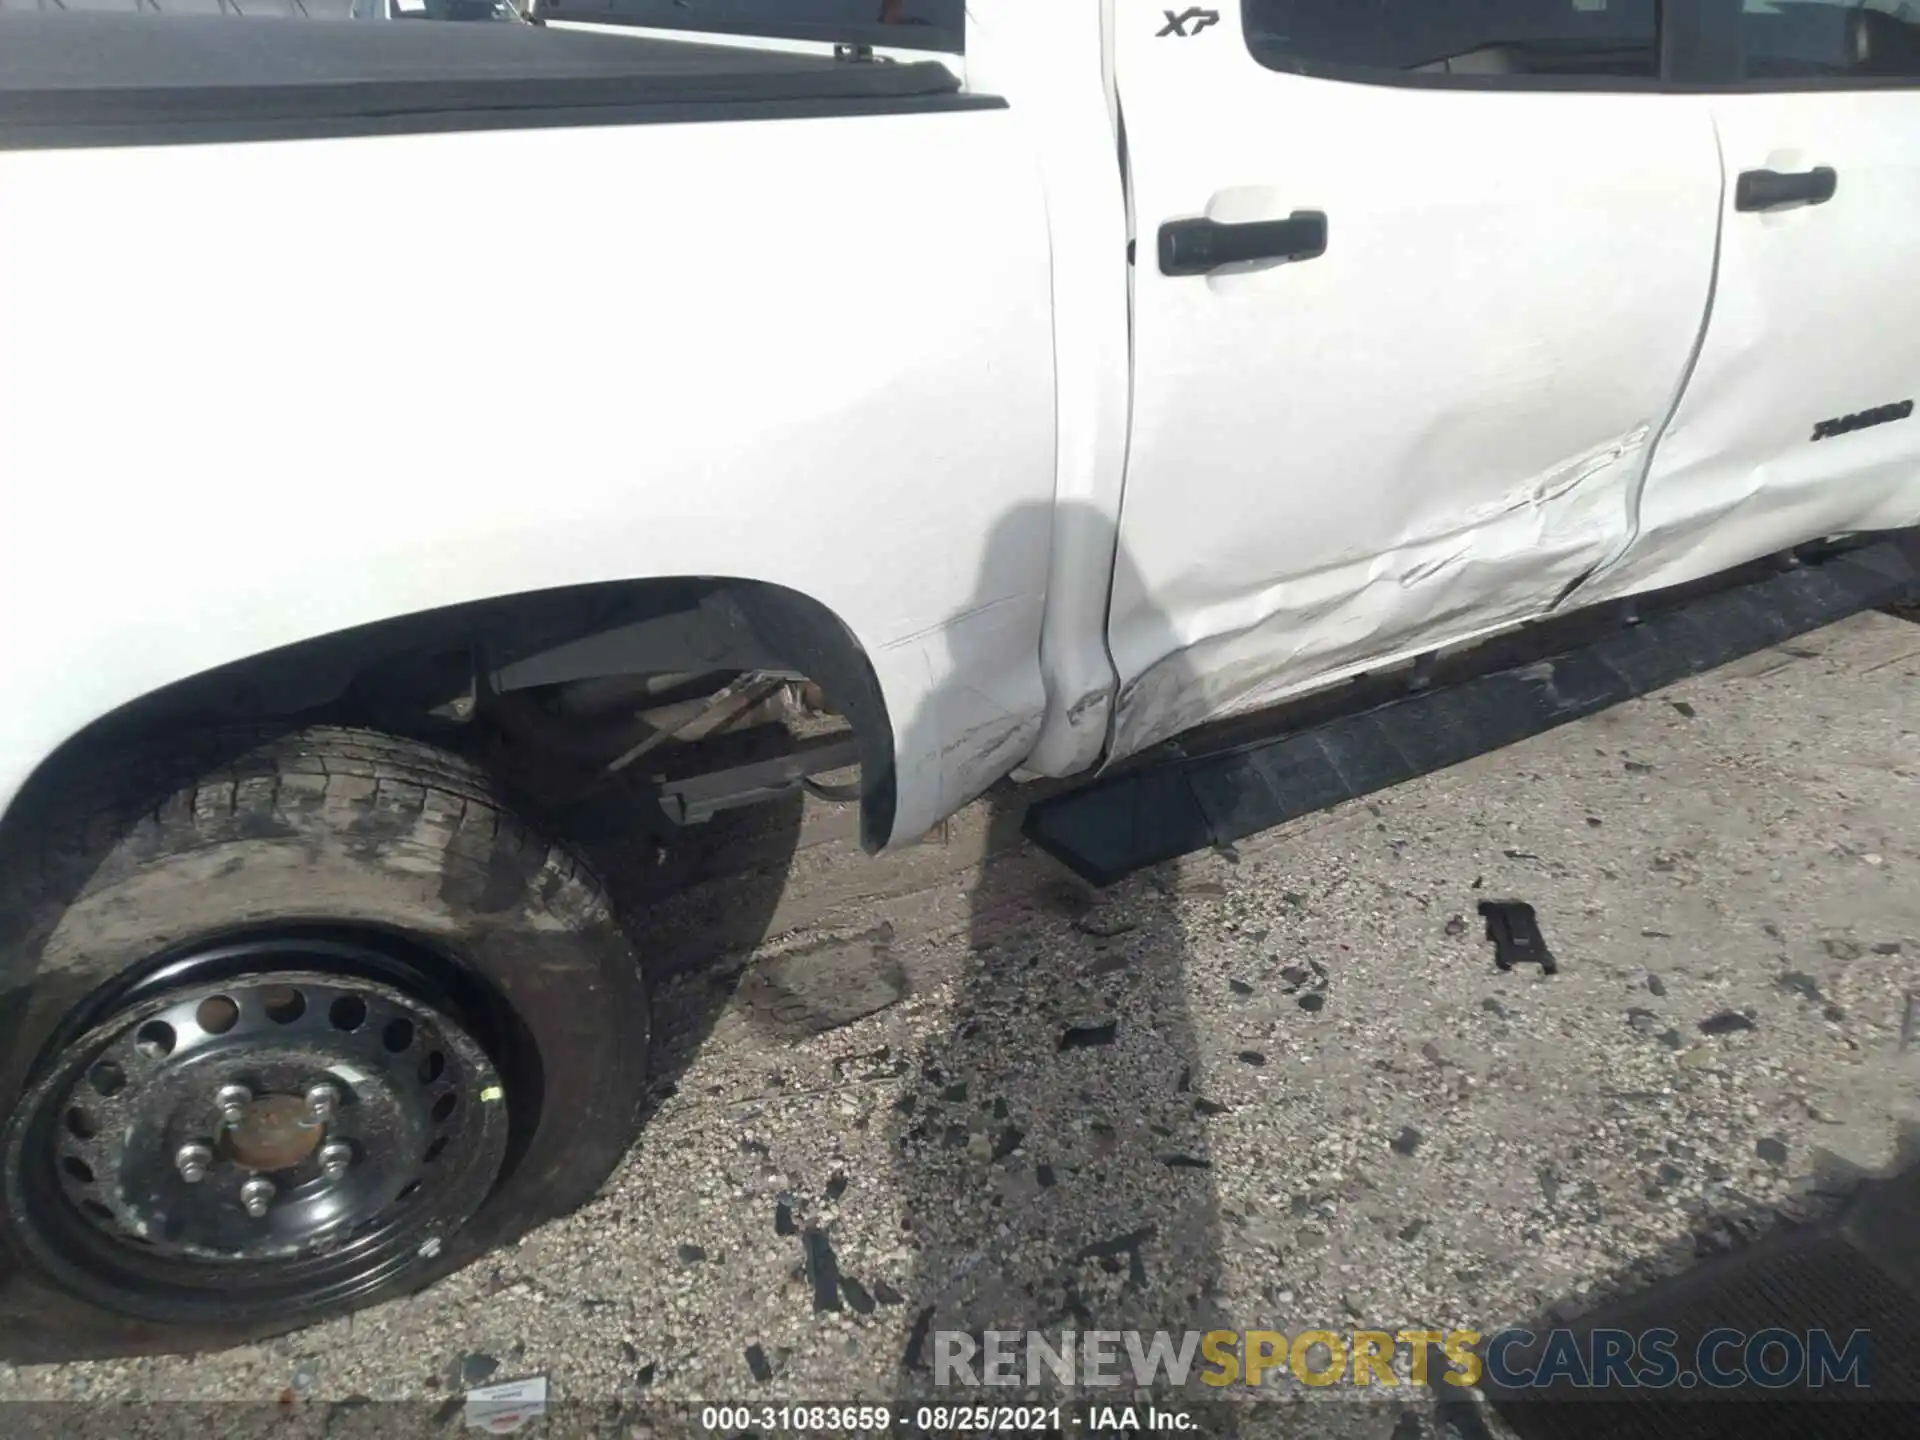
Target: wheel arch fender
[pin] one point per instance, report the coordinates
(689, 621)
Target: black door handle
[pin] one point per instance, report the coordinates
(1764, 189)
(1194, 247)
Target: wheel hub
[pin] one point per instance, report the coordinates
(291, 1131)
(275, 1132)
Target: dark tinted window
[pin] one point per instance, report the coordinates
(1459, 37)
(914, 24)
(1796, 39)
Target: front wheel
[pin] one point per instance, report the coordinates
(288, 1025)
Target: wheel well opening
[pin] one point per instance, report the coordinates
(688, 679)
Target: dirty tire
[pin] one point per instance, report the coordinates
(235, 832)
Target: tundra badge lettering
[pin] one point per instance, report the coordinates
(1879, 415)
(1197, 18)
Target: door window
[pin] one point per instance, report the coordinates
(1803, 39)
(1547, 38)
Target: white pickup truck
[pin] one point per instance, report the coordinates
(1242, 406)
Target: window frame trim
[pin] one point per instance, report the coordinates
(1701, 47)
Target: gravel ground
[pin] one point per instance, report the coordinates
(1278, 1088)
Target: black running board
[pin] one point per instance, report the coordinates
(1145, 816)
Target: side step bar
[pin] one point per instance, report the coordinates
(1142, 817)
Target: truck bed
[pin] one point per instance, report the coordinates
(78, 79)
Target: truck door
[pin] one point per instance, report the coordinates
(1798, 419)
(1416, 283)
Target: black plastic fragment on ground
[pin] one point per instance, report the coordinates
(1515, 932)
(758, 1363)
(1080, 1037)
(823, 1270)
(915, 1355)
(1129, 1245)
(857, 1297)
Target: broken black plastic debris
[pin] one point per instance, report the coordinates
(1406, 1142)
(836, 1185)
(915, 1355)
(1129, 1245)
(691, 1254)
(1185, 1162)
(823, 1269)
(886, 1294)
(1008, 1142)
(1044, 1174)
(1514, 930)
(757, 1362)
(1208, 1107)
(1725, 1023)
(783, 1219)
(856, 1296)
(1081, 1037)
(1251, 1057)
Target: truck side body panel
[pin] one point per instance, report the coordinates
(256, 392)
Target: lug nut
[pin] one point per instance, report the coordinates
(335, 1156)
(322, 1100)
(256, 1195)
(192, 1161)
(233, 1101)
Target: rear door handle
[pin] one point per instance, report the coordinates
(1195, 247)
(1764, 189)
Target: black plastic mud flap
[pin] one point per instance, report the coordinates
(1810, 1334)
(1145, 816)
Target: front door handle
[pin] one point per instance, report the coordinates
(1764, 189)
(1195, 247)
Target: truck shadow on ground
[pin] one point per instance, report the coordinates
(1836, 1260)
(1051, 1152)
(1049, 1149)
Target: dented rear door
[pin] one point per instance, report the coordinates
(1798, 420)
(1420, 407)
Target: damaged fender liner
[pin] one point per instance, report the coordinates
(1143, 817)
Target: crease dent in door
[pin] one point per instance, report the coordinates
(1502, 565)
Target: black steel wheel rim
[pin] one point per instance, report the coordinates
(259, 1129)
